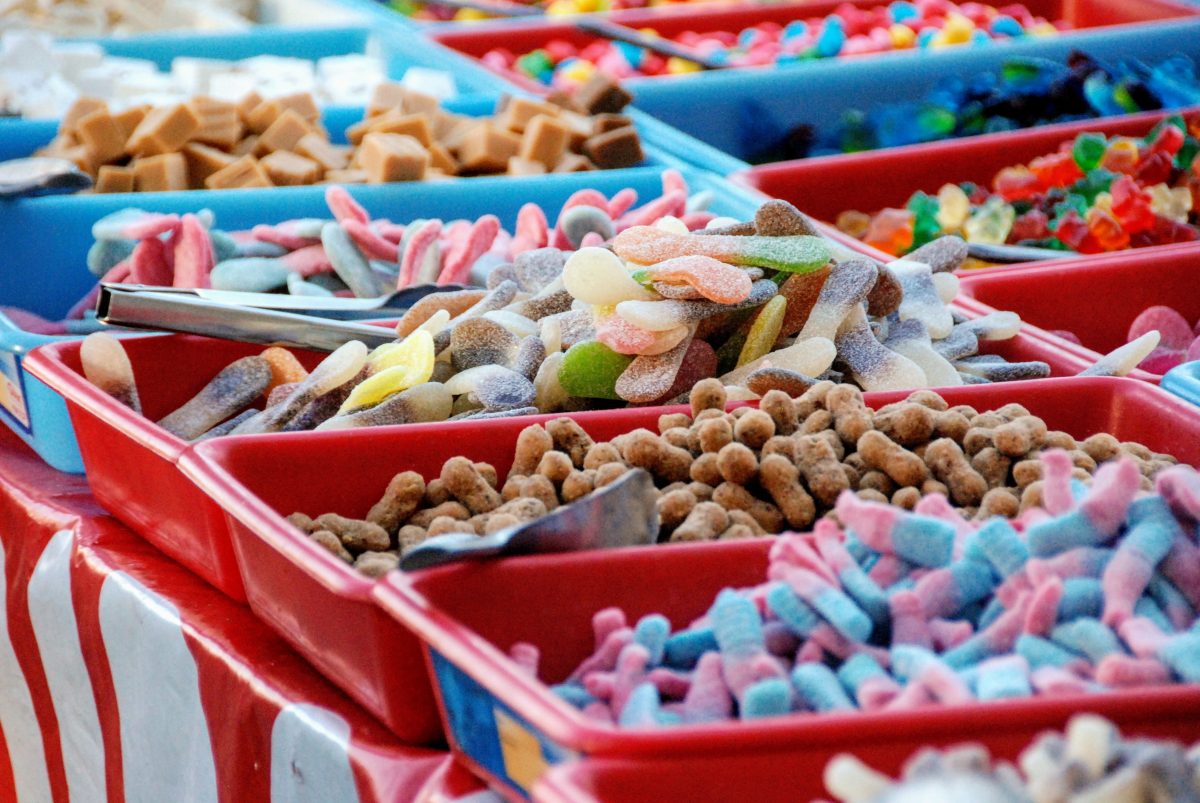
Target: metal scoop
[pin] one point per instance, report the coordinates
(622, 513)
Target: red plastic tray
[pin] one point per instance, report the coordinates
(468, 615)
(132, 463)
(826, 186)
(523, 37)
(1097, 299)
(309, 597)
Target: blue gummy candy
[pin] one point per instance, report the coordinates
(1087, 636)
(794, 612)
(736, 624)
(1042, 652)
(652, 632)
(1001, 682)
(923, 540)
(820, 689)
(683, 650)
(766, 698)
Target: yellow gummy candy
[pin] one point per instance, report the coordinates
(764, 331)
(902, 36)
(954, 207)
(396, 367)
(1173, 204)
(957, 29)
(678, 66)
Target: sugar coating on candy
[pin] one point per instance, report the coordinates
(250, 274)
(711, 278)
(591, 370)
(1173, 329)
(777, 218)
(810, 356)
(920, 298)
(843, 290)
(597, 276)
(107, 366)
(335, 370)
(579, 221)
(764, 331)
(910, 339)
(537, 268)
(425, 402)
(649, 377)
(795, 254)
(228, 393)
(875, 367)
(479, 341)
(454, 302)
(349, 263)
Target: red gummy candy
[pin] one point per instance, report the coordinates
(1033, 225)
(1131, 205)
(1173, 327)
(1154, 168)
(1071, 230)
(1161, 360)
(891, 231)
(1057, 170)
(1016, 184)
(1168, 141)
(1106, 230)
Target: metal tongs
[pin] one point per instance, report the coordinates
(298, 321)
(621, 514)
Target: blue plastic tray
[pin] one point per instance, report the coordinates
(739, 111)
(1184, 381)
(47, 274)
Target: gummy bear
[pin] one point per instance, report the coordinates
(891, 231)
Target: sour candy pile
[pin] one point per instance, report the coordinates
(1179, 340)
(1090, 762)
(1095, 194)
(891, 610)
(849, 31)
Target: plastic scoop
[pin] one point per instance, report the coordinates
(620, 514)
(40, 175)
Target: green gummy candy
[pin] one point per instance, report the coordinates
(800, 253)
(1089, 150)
(590, 370)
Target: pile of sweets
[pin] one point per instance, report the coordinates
(1097, 591)
(40, 78)
(214, 144)
(1026, 92)
(1179, 341)
(749, 473)
(560, 329)
(107, 17)
(849, 31)
(1095, 194)
(1089, 763)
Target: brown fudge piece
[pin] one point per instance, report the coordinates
(163, 130)
(283, 134)
(115, 179)
(600, 94)
(220, 124)
(545, 141)
(267, 112)
(164, 172)
(203, 161)
(322, 151)
(487, 149)
(613, 149)
(573, 163)
(287, 169)
(603, 123)
(519, 112)
(346, 177)
(393, 157)
(245, 172)
(129, 119)
(79, 110)
(100, 133)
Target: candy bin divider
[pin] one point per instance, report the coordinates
(872, 180)
(1124, 283)
(473, 676)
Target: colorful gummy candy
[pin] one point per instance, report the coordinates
(900, 610)
(1089, 762)
(433, 12)
(1177, 340)
(1094, 194)
(849, 31)
(746, 473)
(1026, 92)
